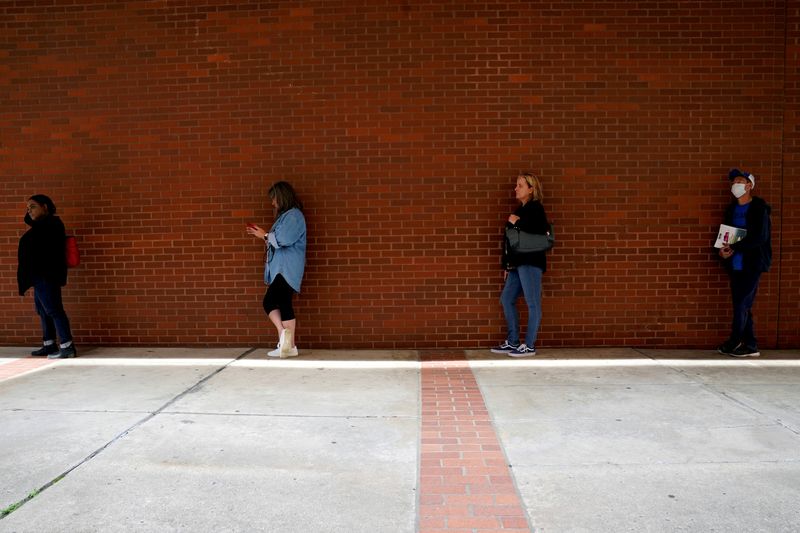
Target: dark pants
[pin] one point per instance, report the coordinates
(744, 286)
(279, 296)
(50, 309)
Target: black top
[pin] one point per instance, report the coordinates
(756, 247)
(41, 254)
(532, 219)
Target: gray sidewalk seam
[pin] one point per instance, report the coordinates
(727, 397)
(271, 415)
(36, 492)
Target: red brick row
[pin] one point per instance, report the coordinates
(464, 480)
(158, 128)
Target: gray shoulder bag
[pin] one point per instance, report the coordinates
(522, 242)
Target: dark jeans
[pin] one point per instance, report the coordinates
(50, 309)
(744, 286)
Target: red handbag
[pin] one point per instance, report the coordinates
(72, 253)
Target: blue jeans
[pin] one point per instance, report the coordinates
(524, 280)
(744, 286)
(50, 309)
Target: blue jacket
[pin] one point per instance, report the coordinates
(756, 247)
(286, 249)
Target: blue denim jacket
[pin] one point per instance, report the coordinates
(286, 249)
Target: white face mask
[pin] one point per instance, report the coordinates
(738, 189)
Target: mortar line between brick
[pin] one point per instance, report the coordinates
(450, 495)
(506, 460)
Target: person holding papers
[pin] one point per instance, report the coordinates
(745, 260)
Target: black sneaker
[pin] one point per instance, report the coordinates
(523, 351)
(505, 348)
(727, 347)
(64, 353)
(745, 351)
(45, 350)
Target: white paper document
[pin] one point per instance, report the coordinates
(729, 235)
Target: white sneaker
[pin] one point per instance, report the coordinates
(283, 349)
(290, 352)
(278, 352)
(287, 347)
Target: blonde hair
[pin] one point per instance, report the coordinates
(534, 183)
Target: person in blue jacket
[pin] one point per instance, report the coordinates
(42, 264)
(745, 261)
(285, 261)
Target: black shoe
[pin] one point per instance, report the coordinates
(45, 350)
(745, 351)
(727, 347)
(65, 353)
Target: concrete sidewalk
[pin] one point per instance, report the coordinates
(166, 439)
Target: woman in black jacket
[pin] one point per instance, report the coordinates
(43, 266)
(523, 272)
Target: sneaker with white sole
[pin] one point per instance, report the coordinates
(283, 354)
(522, 351)
(727, 347)
(745, 351)
(285, 346)
(289, 352)
(288, 349)
(504, 348)
(64, 353)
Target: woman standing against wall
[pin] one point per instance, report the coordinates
(285, 263)
(523, 272)
(42, 264)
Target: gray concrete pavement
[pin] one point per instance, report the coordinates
(162, 439)
(211, 443)
(666, 441)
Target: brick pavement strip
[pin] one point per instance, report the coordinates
(465, 483)
(21, 366)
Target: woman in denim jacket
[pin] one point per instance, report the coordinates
(285, 261)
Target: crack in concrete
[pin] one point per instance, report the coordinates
(726, 396)
(36, 492)
(655, 463)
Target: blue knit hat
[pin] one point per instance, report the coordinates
(736, 173)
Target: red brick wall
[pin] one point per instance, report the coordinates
(789, 304)
(158, 126)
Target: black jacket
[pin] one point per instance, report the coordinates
(532, 219)
(756, 247)
(41, 253)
